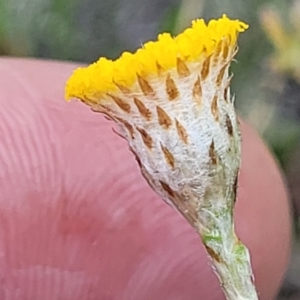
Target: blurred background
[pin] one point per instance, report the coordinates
(267, 81)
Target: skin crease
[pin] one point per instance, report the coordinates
(79, 222)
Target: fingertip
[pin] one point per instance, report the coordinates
(100, 218)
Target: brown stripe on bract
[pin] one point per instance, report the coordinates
(187, 209)
(182, 69)
(148, 141)
(102, 109)
(127, 125)
(123, 89)
(129, 128)
(218, 48)
(136, 157)
(167, 189)
(171, 88)
(226, 48)
(144, 111)
(145, 86)
(88, 101)
(235, 186)
(214, 108)
(212, 153)
(118, 133)
(163, 118)
(205, 68)
(168, 156)
(213, 254)
(217, 52)
(121, 103)
(181, 132)
(159, 68)
(221, 75)
(197, 91)
(229, 125)
(226, 94)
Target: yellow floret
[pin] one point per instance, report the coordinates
(106, 76)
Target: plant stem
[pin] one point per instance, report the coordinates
(230, 257)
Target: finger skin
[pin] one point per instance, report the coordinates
(79, 222)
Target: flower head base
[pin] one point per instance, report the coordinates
(172, 102)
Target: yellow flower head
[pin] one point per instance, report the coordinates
(195, 44)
